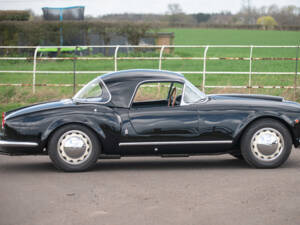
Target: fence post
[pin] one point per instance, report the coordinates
(34, 68)
(116, 57)
(204, 68)
(296, 73)
(74, 71)
(160, 56)
(250, 69)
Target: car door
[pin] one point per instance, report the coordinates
(159, 127)
(163, 123)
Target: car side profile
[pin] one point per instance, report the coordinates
(152, 113)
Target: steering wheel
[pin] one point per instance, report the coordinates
(172, 97)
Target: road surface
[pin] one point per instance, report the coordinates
(137, 191)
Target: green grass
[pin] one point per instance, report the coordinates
(195, 36)
(183, 36)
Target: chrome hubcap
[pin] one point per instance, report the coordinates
(74, 147)
(267, 144)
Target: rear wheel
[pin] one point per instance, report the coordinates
(74, 148)
(267, 143)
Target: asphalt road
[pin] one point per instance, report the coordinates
(184, 191)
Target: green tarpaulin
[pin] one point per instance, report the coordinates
(65, 49)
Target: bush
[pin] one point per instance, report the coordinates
(15, 15)
(268, 22)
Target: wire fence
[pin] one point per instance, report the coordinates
(160, 58)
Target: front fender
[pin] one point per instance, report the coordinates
(288, 122)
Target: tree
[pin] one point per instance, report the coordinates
(288, 15)
(247, 11)
(246, 4)
(201, 17)
(273, 9)
(268, 22)
(174, 8)
(175, 13)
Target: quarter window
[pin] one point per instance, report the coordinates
(94, 91)
(192, 94)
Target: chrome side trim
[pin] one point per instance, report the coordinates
(17, 144)
(173, 143)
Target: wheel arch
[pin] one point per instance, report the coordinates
(59, 124)
(242, 130)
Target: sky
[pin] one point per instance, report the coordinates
(102, 7)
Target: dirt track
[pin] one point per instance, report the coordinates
(184, 191)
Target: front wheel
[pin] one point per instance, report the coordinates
(74, 148)
(237, 155)
(266, 143)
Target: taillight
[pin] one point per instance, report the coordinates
(3, 120)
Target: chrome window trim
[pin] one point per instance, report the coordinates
(182, 103)
(17, 144)
(174, 142)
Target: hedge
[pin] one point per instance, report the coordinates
(35, 33)
(18, 15)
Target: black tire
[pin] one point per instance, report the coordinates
(93, 151)
(261, 161)
(237, 156)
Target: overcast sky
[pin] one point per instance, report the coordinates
(101, 7)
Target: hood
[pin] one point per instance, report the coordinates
(39, 107)
(246, 97)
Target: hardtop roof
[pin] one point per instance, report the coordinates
(122, 84)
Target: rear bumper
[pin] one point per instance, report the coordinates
(8, 147)
(297, 143)
(17, 144)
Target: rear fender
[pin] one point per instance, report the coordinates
(84, 121)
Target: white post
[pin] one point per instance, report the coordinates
(204, 68)
(250, 69)
(160, 56)
(34, 68)
(116, 57)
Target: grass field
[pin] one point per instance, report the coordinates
(11, 97)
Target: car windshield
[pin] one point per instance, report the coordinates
(192, 94)
(94, 91)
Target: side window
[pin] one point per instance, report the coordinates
(158, 94)
(152, 92)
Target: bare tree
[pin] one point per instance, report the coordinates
(247, 11)
(273, 9)
(174, 8)
(177, 16)
(288, 15)
(246, 4)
